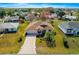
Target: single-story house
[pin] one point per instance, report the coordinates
(70, 18)
(11, 19)
(29, 16)
(70, 27)
(8, 27)
(52, 16)
(34, 27)
(48, 15)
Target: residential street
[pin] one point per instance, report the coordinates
(28, 46)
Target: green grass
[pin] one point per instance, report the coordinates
(9, 42)
(73, 43)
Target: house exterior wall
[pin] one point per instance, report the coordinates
(69, 31)
(1, 31)
(7, 30)
(11, 21)
(75, 31)
(12, 30)
(65, 30)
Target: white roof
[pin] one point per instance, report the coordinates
(8, 25)
(70, 17)
(11, 18)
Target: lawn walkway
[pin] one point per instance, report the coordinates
(58, 37)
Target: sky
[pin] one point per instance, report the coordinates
(39, 5)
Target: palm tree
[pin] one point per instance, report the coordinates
(49, 37)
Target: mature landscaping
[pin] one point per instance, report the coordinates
(64, 44)
(52, 28)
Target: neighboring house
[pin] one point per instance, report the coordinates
(70, 18)
(38, 25)
(29, 17)
(11, 19)
(70, 27)
(52, 16)
(44, 14)
(48, 15)
(8, 27)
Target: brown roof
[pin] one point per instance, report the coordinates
(37, 25)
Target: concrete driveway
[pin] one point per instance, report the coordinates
(29, 45)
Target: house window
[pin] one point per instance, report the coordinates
(6, 30)
(12, 29)
(69, 30)
(77, 33)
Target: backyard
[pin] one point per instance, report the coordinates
(73, 43)
(9, 42)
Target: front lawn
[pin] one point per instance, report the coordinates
(9, 42)
(73, 42)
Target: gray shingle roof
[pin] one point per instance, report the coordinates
(74, 24)
(70, 24)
